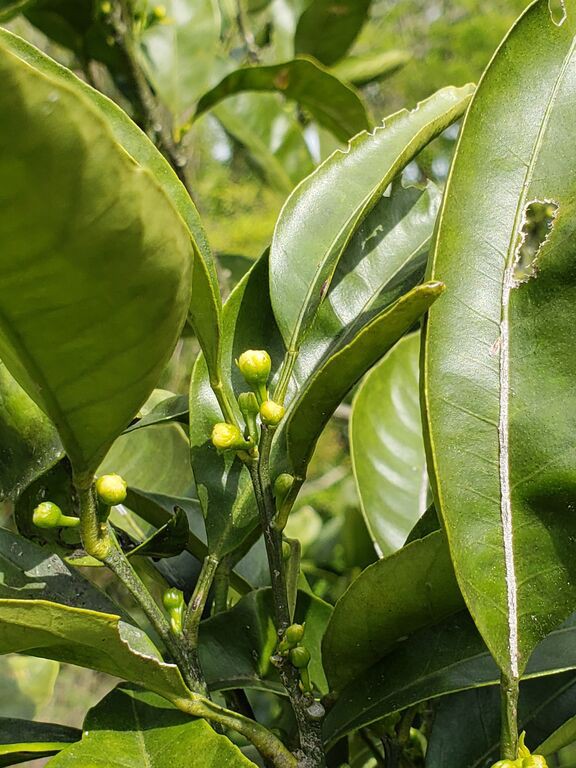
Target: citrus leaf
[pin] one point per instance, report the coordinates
(361, 70)
(411, 589)
(339, 23)
(129, 729)
(27, 685)
(174, 408)
(332, 103)
(324, 211)
(499, 360)
(24, 740)
(115, 291)
(387, 447)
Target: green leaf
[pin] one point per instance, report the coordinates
(327, 29)
(322, 214)
(135, 728)
(29, 443)
(387, 447)
(168, 541)
(271, 134)
(27, 685)
(411, 589)
(24, 740)
(174, 408)
(223, 484)
(232, 659)
(100, 641)
(436, 661)
(316, 402)
(28, 571)
(330, 102)
(11, 8)
(361, 70)
(562, 737)
(115, 291)
(543, 707)
(205, 305)
(499, 360)
(156, 459)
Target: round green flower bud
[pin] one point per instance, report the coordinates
(286, 550)
(534, 761)
(294, 633)
(300, 657)
(111, 489)
(227, 437)
(506, 764)
(255, 365)
(159, 12)
(172, 598)
(271, 413)
(47, 515)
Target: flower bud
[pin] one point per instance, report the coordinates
(255, 365)
(294, 633)
(300, 657)
(271, 413)
(534, 761)
(227, 437)
(49, 515)
(159, 12)
(506, 764)
(286, 550)
(173, 601)
(111, 489)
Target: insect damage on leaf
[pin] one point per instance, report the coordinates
(557, 11)
(537, 223)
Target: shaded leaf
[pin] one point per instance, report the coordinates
(327, 29)
(116, 290)
(129, 729)
(322, 214)
(411, 589)
(361, 70)
(24, 740)
(174, 408)
(29, 443)
(387, 447)
(499, 357)
(330, 102)
(27, 685)
(169, 540)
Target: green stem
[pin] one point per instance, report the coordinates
(222, 586)
(269, 746)
(285, 374)
(509, 691)
(224, 402)
(198, 601)
(94, 532)
(308, 713)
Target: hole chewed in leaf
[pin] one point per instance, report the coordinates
(539, 217)
(557, 11)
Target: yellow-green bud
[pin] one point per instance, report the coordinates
(294, 633)
(300, 657)
(49, 515)
(227, 437)
(506, 764)
(271, 413)
(534, 761)
(255, 365)
(282, 486)
(286, 550)
(159, 12)
(111, 489)
(106, 7)
(173, 601)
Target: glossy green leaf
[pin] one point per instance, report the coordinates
(385, 258)
(223, 484)
(29, 443)
(327, 29)
(28, 571)
(174, 408)
(205, 305)
(562, 737)
(272, 135)
(130, 729)
(116, 289)
(322, 214)
(236, 646)
(155, 459)
(436, 661)
(24, 740)
(499, 360)
(330, 102)
(411, 589)
(387, 447)
(168, 541)
(89, 639)
(325, 390)
(27, 685)
(361, 70)
(544, 705)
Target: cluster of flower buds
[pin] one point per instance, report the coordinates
(525, 758)
(173, 600)
(255, 366)
(298, 654)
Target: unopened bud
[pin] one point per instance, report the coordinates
(227, 437)
(111, 489)
(271, 413)
(49, 515)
